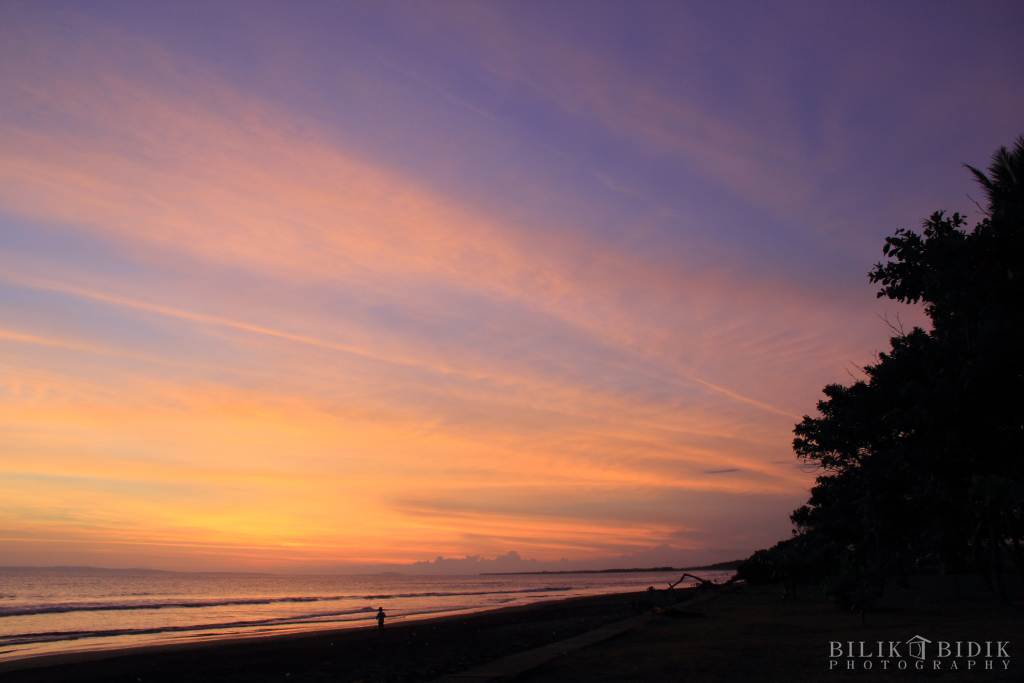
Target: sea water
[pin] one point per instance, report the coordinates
(56, 611)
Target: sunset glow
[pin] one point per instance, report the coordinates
(316, 286)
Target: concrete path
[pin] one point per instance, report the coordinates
(513, 665)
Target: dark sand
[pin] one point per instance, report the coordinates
(408, 652)
(752, 636)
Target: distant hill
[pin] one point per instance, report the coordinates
(732, 564)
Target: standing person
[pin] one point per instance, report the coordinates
(380, 619)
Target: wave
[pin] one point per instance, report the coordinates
(50, 636)
(244, 624)
(64, 607)
(55, 608)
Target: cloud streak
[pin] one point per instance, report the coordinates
(252, 323)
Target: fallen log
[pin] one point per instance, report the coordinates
(702, 583)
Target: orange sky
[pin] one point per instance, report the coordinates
(286, 302)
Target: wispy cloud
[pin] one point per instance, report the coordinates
(443, 308)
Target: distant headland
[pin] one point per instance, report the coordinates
(732, 564)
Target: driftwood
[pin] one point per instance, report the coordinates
(668, 595)
(703, 583)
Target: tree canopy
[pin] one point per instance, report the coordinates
(921, 461)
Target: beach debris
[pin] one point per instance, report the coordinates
(702, 584)
(669, 596)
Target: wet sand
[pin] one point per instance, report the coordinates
(408, 652)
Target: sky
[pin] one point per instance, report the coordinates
(342, 286)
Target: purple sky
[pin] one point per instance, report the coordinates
(335, 285)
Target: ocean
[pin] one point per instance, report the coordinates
(58, 611)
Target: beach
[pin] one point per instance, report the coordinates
(754, 635)
(746, 634)
(67, 610)
(406, 652)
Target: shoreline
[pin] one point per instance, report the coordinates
(402, 653)
(75, 656)
(749, 633)
(201, 641)
(721, 566)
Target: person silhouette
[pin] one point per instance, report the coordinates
(380, 619)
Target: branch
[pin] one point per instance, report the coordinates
(900, 332)
(852, 376)
(979, 206)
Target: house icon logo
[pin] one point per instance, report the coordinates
(916, 647)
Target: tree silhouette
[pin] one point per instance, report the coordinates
(923, 461)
